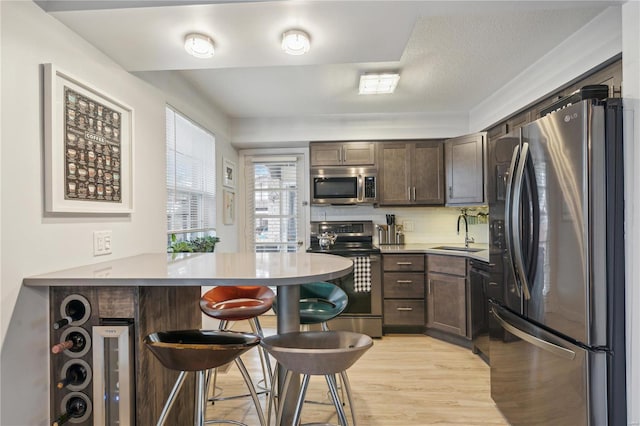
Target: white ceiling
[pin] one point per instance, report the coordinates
(450, 54)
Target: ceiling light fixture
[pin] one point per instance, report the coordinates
(199, 45)
(296, 42)
(380, 83)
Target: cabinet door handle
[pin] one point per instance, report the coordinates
(429, 282)
(450, 191)
(409, 192)
(404, 309)
(404, 263)
(414, 193)
(404, 281)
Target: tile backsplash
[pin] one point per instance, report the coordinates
(430, 224)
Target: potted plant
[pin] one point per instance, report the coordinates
(198, 245)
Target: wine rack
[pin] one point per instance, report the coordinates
(98, 357)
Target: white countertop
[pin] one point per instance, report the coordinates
(198, 269)
(429, 248)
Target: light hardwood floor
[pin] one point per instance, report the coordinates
(403, 380)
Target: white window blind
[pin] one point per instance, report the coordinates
(273, 202)
(191, 178)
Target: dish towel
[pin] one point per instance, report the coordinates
(362, 274)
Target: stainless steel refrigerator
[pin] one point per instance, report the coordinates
(557, 246)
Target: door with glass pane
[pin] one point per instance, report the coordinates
(274, 203)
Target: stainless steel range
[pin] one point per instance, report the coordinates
(354, 239)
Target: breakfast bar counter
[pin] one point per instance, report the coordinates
(159, 292)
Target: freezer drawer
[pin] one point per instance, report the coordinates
(538, 378)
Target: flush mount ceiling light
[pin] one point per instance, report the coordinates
(381, 83)
(199, 45)
(296, 42)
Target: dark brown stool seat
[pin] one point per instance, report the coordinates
(199, 351)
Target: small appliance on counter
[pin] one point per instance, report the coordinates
(390, 233)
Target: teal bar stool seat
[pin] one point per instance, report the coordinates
(319, 303)
(199, 351)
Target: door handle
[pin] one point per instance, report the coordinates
(404, 309)
(515, 211)
(414, 193)
(535, 341)
(409, 192)
(507, 213)
(404, 263)
(404, 281)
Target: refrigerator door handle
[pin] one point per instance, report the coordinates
(507, 214)
(515, 219)
(542, 344)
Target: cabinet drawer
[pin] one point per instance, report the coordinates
(404, 285)
(404, 262)
(404, 312)
(451, 265)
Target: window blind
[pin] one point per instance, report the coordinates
(191, 178)
(273, 202)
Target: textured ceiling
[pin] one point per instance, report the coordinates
(451, 55)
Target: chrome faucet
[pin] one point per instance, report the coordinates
(467, 239)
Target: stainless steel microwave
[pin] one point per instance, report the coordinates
(344, 185)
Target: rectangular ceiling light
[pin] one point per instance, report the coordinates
(375, 84)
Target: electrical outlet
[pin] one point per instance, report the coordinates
(407, 225)
(101, 243)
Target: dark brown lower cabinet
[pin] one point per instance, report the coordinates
(403, 291)
(447, 294)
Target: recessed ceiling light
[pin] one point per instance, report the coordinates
(376, 84)
(296, 42)
(199, 45)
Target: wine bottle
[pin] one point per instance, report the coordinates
(74, 310)
(76, 375)
(75, 343)
(76, 407)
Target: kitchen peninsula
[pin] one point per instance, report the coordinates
(153, 292)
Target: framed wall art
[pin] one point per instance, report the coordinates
(88, 147)
(228, 173)
(228, 207)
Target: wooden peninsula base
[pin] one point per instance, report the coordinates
(95, 367)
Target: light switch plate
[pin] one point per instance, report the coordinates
(101, 243)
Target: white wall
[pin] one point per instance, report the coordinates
(593, 44)
(186, 99)
(260, 132)
(33, 242)
(631, 95)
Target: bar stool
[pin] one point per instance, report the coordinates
(200, 351)
(325, 353)
(237, 303)
(320, 302)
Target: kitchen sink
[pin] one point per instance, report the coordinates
(469, 249)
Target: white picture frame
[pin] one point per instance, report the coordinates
(88, 159)
(228, 207)
(228, 173)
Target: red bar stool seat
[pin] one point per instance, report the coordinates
(237, 303)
